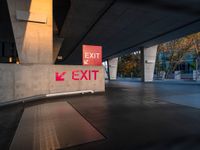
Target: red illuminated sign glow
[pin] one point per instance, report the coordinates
(78, 75)
(92, 55)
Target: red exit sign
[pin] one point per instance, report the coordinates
(78, 75)
(92, 55)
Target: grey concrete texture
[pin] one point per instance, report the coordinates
(22, 81)
(125, 25)
(57, 43)
(149, 60)
(113, 65)
(34, 41)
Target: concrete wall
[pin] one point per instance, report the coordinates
(22, 81)
(36, 75)
(148, 62)
(33, 37)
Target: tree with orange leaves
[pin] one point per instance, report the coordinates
(178, 48)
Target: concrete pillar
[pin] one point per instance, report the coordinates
(105, 73)
(33, 30)
(148, 58)
(57, 42)
(112, 65)
(177, 75)
(56, 47)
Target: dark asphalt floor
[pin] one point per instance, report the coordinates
(9, 119)
(131, 115)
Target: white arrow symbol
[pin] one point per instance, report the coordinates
(86, 62)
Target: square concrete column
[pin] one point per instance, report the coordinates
(112, 67)
(148, 59)
(33, 30)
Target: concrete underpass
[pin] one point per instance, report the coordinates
(53, 91)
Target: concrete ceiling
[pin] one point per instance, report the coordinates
(60, 10)
(121, 26)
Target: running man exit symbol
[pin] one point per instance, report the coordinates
(92, 55)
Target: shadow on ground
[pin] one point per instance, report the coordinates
(131, 115)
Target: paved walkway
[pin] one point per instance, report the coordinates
(52, 126)
(132, 115)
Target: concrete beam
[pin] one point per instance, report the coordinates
(148, 58)
(33, 30)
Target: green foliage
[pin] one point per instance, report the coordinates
(193, 65)
(129, 65)
(177, 49)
